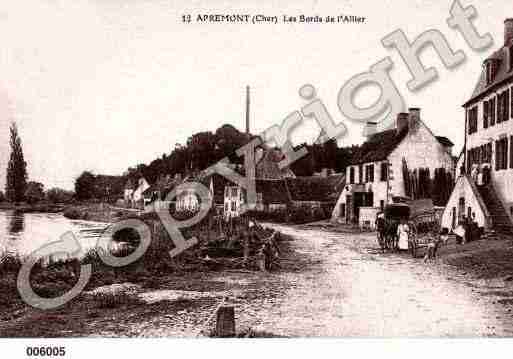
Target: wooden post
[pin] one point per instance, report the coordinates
(225, 326)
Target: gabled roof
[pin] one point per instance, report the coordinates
(502, 74)
(378, 146)
(315, 188)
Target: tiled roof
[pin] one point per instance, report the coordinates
(378, 146)
(502, 74)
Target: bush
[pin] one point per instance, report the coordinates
(72, 213)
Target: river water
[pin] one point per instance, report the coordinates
(23, 233)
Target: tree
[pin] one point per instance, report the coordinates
(85, 186)
(16, 183)
(35, 192)
(59, 195)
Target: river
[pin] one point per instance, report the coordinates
(23, 233)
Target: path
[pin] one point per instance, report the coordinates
(353, 290)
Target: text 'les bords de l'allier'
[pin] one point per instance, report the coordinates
(260, 18)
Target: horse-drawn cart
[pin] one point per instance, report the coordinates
(427, 225)
(421, 221)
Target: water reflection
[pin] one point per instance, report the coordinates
(16, 223)
(23, 233)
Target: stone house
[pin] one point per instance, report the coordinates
(485, 188)
(375, 175)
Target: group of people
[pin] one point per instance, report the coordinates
(467, 230)
(403, 233)
(481, 176)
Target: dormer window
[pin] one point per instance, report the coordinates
(510, 53)
(490, 69)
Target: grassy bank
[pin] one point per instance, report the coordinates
(97, 212)
(219, 248)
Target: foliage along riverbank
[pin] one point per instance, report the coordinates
(32, 208)
(97, 212)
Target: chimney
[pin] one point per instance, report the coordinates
(401, 122)
(508, 31)
(413, 118)
(370, 129)
(247, 110)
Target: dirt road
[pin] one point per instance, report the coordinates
(351, 289)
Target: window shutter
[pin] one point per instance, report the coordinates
(497, 156)
(485, 114)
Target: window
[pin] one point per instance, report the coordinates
(472, 120)
(511, 152)
(511, 100)
(360, 174)
(488, 69)
(259, 198)
(226, 207)
(233, 206)
(384, 171)
(501, 154)
(492, 111)
(382, 204)
(369, 173)
(234, 192)
(486, 108)
(506, 105)
(503, 106)
(510, 58)
(351, 175)
(342, 210)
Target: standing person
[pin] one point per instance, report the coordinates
(403, 232)
(380, 228)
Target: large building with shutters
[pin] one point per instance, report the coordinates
(488, 146)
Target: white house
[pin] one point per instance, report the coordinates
(375, 176)
(137, 195)
(485, 191)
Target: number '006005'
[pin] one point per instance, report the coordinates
(45, 351)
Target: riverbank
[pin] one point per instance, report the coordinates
(98, 212)
(177, 284)
(32, 208)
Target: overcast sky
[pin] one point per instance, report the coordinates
(103, 85)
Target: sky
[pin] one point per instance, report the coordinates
(103, 85)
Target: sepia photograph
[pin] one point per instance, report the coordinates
(254, 171)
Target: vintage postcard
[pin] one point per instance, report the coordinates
(255, 169)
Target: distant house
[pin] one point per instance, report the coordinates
(315, 191)
(275, 195)
(271, 196)
(375, 174)
(137, 195)
(268, 175)
(128, 193)
(188, 200)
